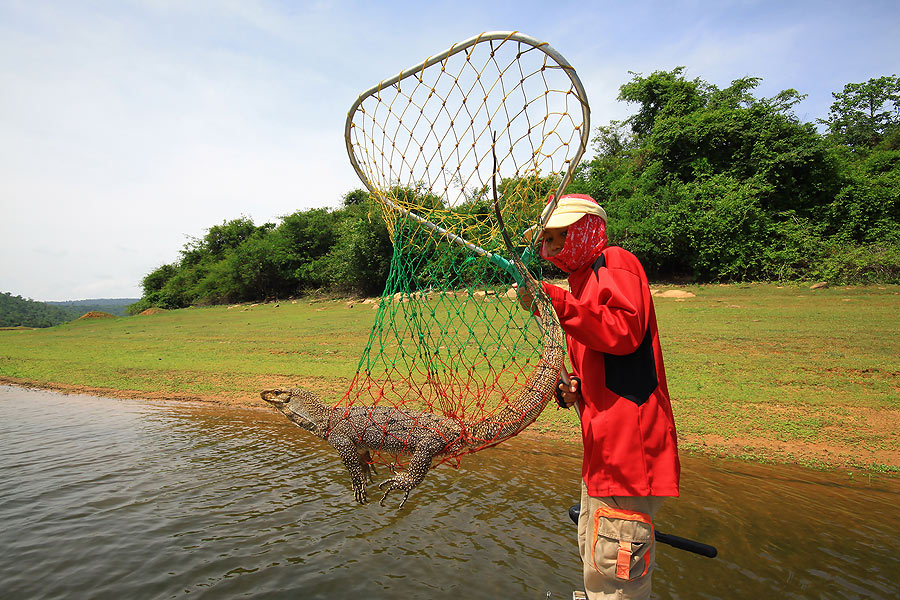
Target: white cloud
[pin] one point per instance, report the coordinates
(130, 125)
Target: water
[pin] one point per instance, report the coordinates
(105, 498)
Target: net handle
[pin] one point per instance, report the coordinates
(455, 49)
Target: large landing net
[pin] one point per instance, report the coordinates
(447, 339)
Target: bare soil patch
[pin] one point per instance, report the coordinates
(245, 399)
(832, 454)
(878, 445)
(96, 314)
(794, 451)
(672, 294)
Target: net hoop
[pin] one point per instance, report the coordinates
(502, 112)
(463, 46)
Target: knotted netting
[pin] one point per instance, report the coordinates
(448, 337)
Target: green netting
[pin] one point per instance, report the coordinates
(448, 337)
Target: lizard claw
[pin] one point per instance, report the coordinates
(393, 485)
(360, 494)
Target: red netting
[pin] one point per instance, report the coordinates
(449, 346)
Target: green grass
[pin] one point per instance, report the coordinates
(754, 367)
(200, 351)
(796, 356)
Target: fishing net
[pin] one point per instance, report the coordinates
(448, 338)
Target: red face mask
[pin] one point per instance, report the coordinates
(585, 240)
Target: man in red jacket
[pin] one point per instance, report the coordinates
(619, 387)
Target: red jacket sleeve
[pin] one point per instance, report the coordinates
(611, 314)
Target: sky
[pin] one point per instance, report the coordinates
(128, 127)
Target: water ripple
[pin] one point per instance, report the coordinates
(109, 499)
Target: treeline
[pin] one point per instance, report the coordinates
(344, 250)
(718, 185)
(701, 183)
(113, 306)
(16, 311)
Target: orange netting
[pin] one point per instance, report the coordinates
(448, 339)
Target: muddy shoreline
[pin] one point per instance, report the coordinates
(752, 448)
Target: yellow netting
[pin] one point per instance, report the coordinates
(447, 338)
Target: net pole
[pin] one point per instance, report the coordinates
(494, 258)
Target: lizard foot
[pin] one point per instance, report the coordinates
(360, 493)
(393, 485)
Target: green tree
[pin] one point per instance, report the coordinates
(661, 94)
(356, 197)
(156, 280)
(229, 235)
(308, 236)
(360, 259)
(863, 114)
(699, 175)
(867, 207)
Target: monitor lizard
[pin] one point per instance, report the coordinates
(355, 430)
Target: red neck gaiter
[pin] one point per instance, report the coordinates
(585, 240)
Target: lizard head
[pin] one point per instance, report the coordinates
(300, 406)
(276, 398)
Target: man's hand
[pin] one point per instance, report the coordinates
(568, 395)
(526, 300)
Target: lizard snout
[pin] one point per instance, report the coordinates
(276, 397)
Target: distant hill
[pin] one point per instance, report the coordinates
(115, 306)
(16, 311)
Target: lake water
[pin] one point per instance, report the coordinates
(104, 498)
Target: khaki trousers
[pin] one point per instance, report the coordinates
(616, 545)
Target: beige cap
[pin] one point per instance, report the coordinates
(569, 209)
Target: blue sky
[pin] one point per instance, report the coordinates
(128, 126)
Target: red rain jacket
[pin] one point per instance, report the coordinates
(630, 445)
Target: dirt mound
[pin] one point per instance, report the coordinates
(152, 311)
(672, 294)
(96, 314)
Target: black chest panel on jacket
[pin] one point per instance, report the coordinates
(631, 376)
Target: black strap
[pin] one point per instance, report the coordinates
(600, 263)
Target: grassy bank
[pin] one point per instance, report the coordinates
(762, 371)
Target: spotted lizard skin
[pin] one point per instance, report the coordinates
(356, 430)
